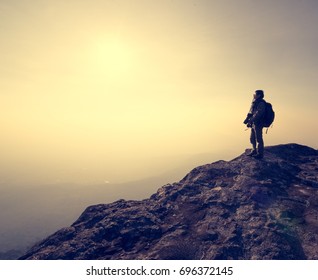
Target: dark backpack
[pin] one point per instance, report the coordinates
(269, 115)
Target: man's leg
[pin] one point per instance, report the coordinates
(253, 142)
(259, 139)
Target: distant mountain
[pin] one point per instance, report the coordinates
(239, 209)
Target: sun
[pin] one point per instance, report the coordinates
(114, 59)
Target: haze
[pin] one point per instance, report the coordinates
(101, 92)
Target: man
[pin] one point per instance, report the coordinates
(254, 120)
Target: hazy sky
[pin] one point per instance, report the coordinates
(102, 90)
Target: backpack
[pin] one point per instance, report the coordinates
(269, 115)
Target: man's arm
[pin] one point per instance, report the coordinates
(246, 121)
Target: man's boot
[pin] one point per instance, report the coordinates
(252, 153)
(258, 156)
(260, 151)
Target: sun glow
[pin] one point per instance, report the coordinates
(115, 60)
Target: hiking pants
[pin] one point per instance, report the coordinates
(257, 138)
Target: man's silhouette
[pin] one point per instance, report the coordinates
(254, 120)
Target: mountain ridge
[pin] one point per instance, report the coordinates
(238, 209)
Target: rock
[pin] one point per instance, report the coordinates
(240, 209)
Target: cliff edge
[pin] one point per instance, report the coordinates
(239, 209)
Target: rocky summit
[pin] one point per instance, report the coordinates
(240, 209)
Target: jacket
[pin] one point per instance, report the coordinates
(257, 112)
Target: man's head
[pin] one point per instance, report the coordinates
(258, 94)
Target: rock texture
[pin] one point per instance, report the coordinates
(240, 209)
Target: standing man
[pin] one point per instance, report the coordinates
(254, 120)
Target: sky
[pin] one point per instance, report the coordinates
(113, 91)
